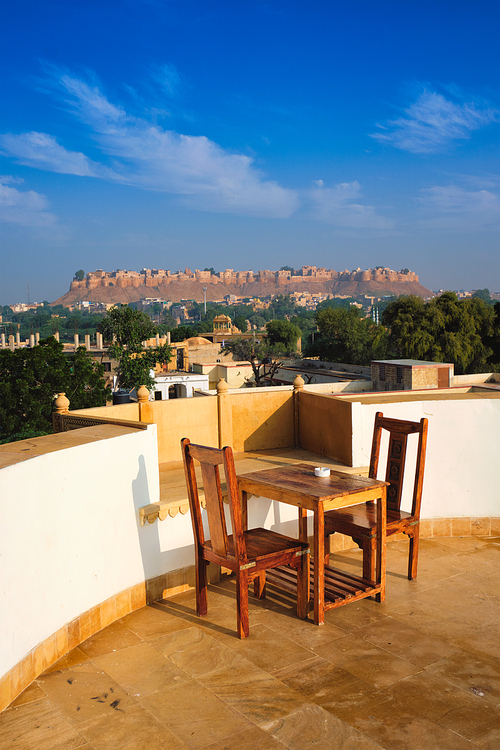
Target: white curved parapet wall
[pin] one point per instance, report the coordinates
(71, 540)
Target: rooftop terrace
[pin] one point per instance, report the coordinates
(419, 671)
(96, 526)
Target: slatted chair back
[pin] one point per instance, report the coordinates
(210, 460)
(399, 430)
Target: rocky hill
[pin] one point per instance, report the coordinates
(130, 286)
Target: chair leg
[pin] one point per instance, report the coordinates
(242, 603)
(201, 587)
(369, 558)
(413, 556)
(259, 585)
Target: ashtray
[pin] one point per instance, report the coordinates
(322, 471)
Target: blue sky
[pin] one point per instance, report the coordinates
(247, 135)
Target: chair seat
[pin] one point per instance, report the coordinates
(362, 520)
(263, 543)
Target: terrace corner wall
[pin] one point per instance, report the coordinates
(262, 418)
(195, 418)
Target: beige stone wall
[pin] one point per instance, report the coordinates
(195, 418)
(262, 419)
(252, 419)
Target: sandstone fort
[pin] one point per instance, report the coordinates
(128, 286)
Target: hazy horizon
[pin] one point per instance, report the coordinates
(248, 135)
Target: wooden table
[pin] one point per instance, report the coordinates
(298, 485)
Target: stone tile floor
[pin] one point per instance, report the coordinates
(418, 672)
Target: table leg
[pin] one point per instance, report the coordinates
(381, 542)
(319, 565)
(305, 595)
(303, 524)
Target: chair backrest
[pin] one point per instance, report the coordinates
(399, 429)
(210, 459)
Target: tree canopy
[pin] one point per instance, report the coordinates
(283, 332)
(446, 329)
(483, 294)
(127, 327)
(31, 378)
(264, 356)
(344, 336)
(465, 333)
(241, 323)
(127, 330)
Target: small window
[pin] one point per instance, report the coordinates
(399, 374)
(107, 366)
(381, 372)
(157, 395)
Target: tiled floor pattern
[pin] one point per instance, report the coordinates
(418, 672)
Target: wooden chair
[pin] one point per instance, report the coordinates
(359, 521)
(247, 553)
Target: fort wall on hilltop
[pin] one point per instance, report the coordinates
(124, 287)
(281, 280)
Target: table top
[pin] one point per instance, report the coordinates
(299, 482)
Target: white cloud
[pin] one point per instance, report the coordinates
(453, 207)
(8, 179)
(91, 105)
(339, 206)
(44, 152)
(204, 175)
(432, 122)
(168, 78)
(27, 208)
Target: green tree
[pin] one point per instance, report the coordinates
(31, 378)
(168, 320)
(335, 302)
(86, 386)
(127, 330)
(260, 354)
(283, 332)
(344, 336)
(445, 329)
(257, 320)
(483, 294)
(493, 341)
(181, 333)
(80, 275)
(240, 322)
(282, 306)
(410, 336)
(306, 321)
